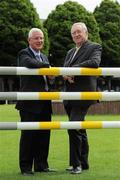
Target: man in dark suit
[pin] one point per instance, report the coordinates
(34, 144)
(85, 54)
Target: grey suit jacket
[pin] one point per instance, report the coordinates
(34, 83)
(89, 55)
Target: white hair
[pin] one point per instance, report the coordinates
(82, 25)
(34, 30)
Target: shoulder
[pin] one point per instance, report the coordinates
(93, 44)
(23, 50)
(44, 57)
(70, 51)
(26, 51)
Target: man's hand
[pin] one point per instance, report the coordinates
(70, 79)
(51, 77)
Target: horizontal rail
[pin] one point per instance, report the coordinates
(60, 71)
(102, 96)
(58, 125)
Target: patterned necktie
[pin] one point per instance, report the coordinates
(38, 57)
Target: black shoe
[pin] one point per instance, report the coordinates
(69, 168)
(49, 170)
(46, 170)
(27, 173)
(77, 170)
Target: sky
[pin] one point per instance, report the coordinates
(44, 7)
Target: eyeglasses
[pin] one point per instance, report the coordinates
(38, 38)
(78, 32)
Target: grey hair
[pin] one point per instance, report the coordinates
(34, 30)
(83, 26)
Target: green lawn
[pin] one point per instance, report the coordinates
(104, 151)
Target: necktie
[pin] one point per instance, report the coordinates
(38, 57)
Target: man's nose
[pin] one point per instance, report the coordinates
(77, 34)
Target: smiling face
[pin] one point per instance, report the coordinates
(36, 40)
(79, 34)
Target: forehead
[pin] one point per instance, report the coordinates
(37, 33)
(76, 28)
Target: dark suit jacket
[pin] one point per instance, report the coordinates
(89, 55)
(33, 83)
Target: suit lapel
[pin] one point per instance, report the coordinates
(31, 53)
(79, 53)
(69, 60)
(43, 58)
(41, 55)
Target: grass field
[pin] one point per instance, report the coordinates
(104, 154)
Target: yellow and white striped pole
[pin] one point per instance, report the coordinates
(55, 71)
(59, 125)
(102, 96)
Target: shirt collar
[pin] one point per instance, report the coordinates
(34, 52)
(77, 48)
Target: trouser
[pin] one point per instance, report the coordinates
(34, 144)
(78, 141)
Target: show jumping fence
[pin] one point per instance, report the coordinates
(102, 96)
(58, 125)
(60, 71)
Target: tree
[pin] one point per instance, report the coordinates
(59, 24)
(16, 19)
(108, 18)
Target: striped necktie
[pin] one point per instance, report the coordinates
(38, 57)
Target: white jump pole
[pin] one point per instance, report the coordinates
(59, 125)
(102, 96)
(60, 71)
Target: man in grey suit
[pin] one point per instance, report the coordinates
(34, 144)
(85, 54)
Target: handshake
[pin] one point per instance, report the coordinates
(70, 79)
